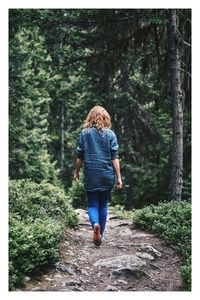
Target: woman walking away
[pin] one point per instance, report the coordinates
(98, 151)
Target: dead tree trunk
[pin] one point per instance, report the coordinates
(177, 110)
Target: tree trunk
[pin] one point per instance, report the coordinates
(177, 112)
(127, 171)
(158, 83)
(62, 132)
(62, 119)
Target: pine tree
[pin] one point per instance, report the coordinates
(29, 107)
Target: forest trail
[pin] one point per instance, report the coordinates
(128, 260)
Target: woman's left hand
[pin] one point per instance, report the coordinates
(119, 184)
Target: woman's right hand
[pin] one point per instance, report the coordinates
(76, 177)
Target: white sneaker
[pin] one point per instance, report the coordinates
(102, 238)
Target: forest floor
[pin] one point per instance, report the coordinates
(128, 260)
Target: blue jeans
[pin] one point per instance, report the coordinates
(98, 208)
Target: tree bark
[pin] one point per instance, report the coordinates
(62, 134)
(62, 120)
(127, 170)
(157, 46)
(177, 110)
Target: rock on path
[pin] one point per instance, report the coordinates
(128, 260)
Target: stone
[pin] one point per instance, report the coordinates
(58, 265)
(122, 246)
(111, 288)
(122, 281)
(150, 249)
(125, 232)
(99, 274)
(58, 276)
(27, 278)
(121, 262)
(37, 288)
(65, 268)
(84, 272)
(49, 279)
(144, 255)
(73, 281)
(128, 272)
(121, 223)
(81, 211)
(65, 290)
(82, 216)
(69, 252)
(69, 270)
(140, 235)
(82, 259)
(84, 280)
(76, 288)
(113, 217)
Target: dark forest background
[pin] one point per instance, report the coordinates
(64, 61)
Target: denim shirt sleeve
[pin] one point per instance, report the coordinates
(79, 149)
(114, 146)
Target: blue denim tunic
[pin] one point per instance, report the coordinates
(98, 148)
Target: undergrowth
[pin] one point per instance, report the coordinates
(172, 222)
(37, 216)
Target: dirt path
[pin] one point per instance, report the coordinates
(128, 260)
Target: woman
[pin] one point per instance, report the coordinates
(98, 150)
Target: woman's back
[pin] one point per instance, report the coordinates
(98, 148)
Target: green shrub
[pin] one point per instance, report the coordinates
(34, 200)
(121, 212)
(186, 272)
(38, 213)
(76, 195)
(118, 197)
(187, 187)
(31, 246)
(172, 222)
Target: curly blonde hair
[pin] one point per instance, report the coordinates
(98, 117)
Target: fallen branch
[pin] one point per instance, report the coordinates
(175, 261)
(149, 276)
(155, 266)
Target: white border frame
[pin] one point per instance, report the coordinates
(5, 294)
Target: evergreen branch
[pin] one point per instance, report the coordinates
(186, 72)
(182, 39)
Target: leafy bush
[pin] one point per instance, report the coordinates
(38, 213)
(172, 221)
(118, 197)
(187, 187)
(121, 212)
(31, 246)
(33, 200)
(186, 272)
(76, 195)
